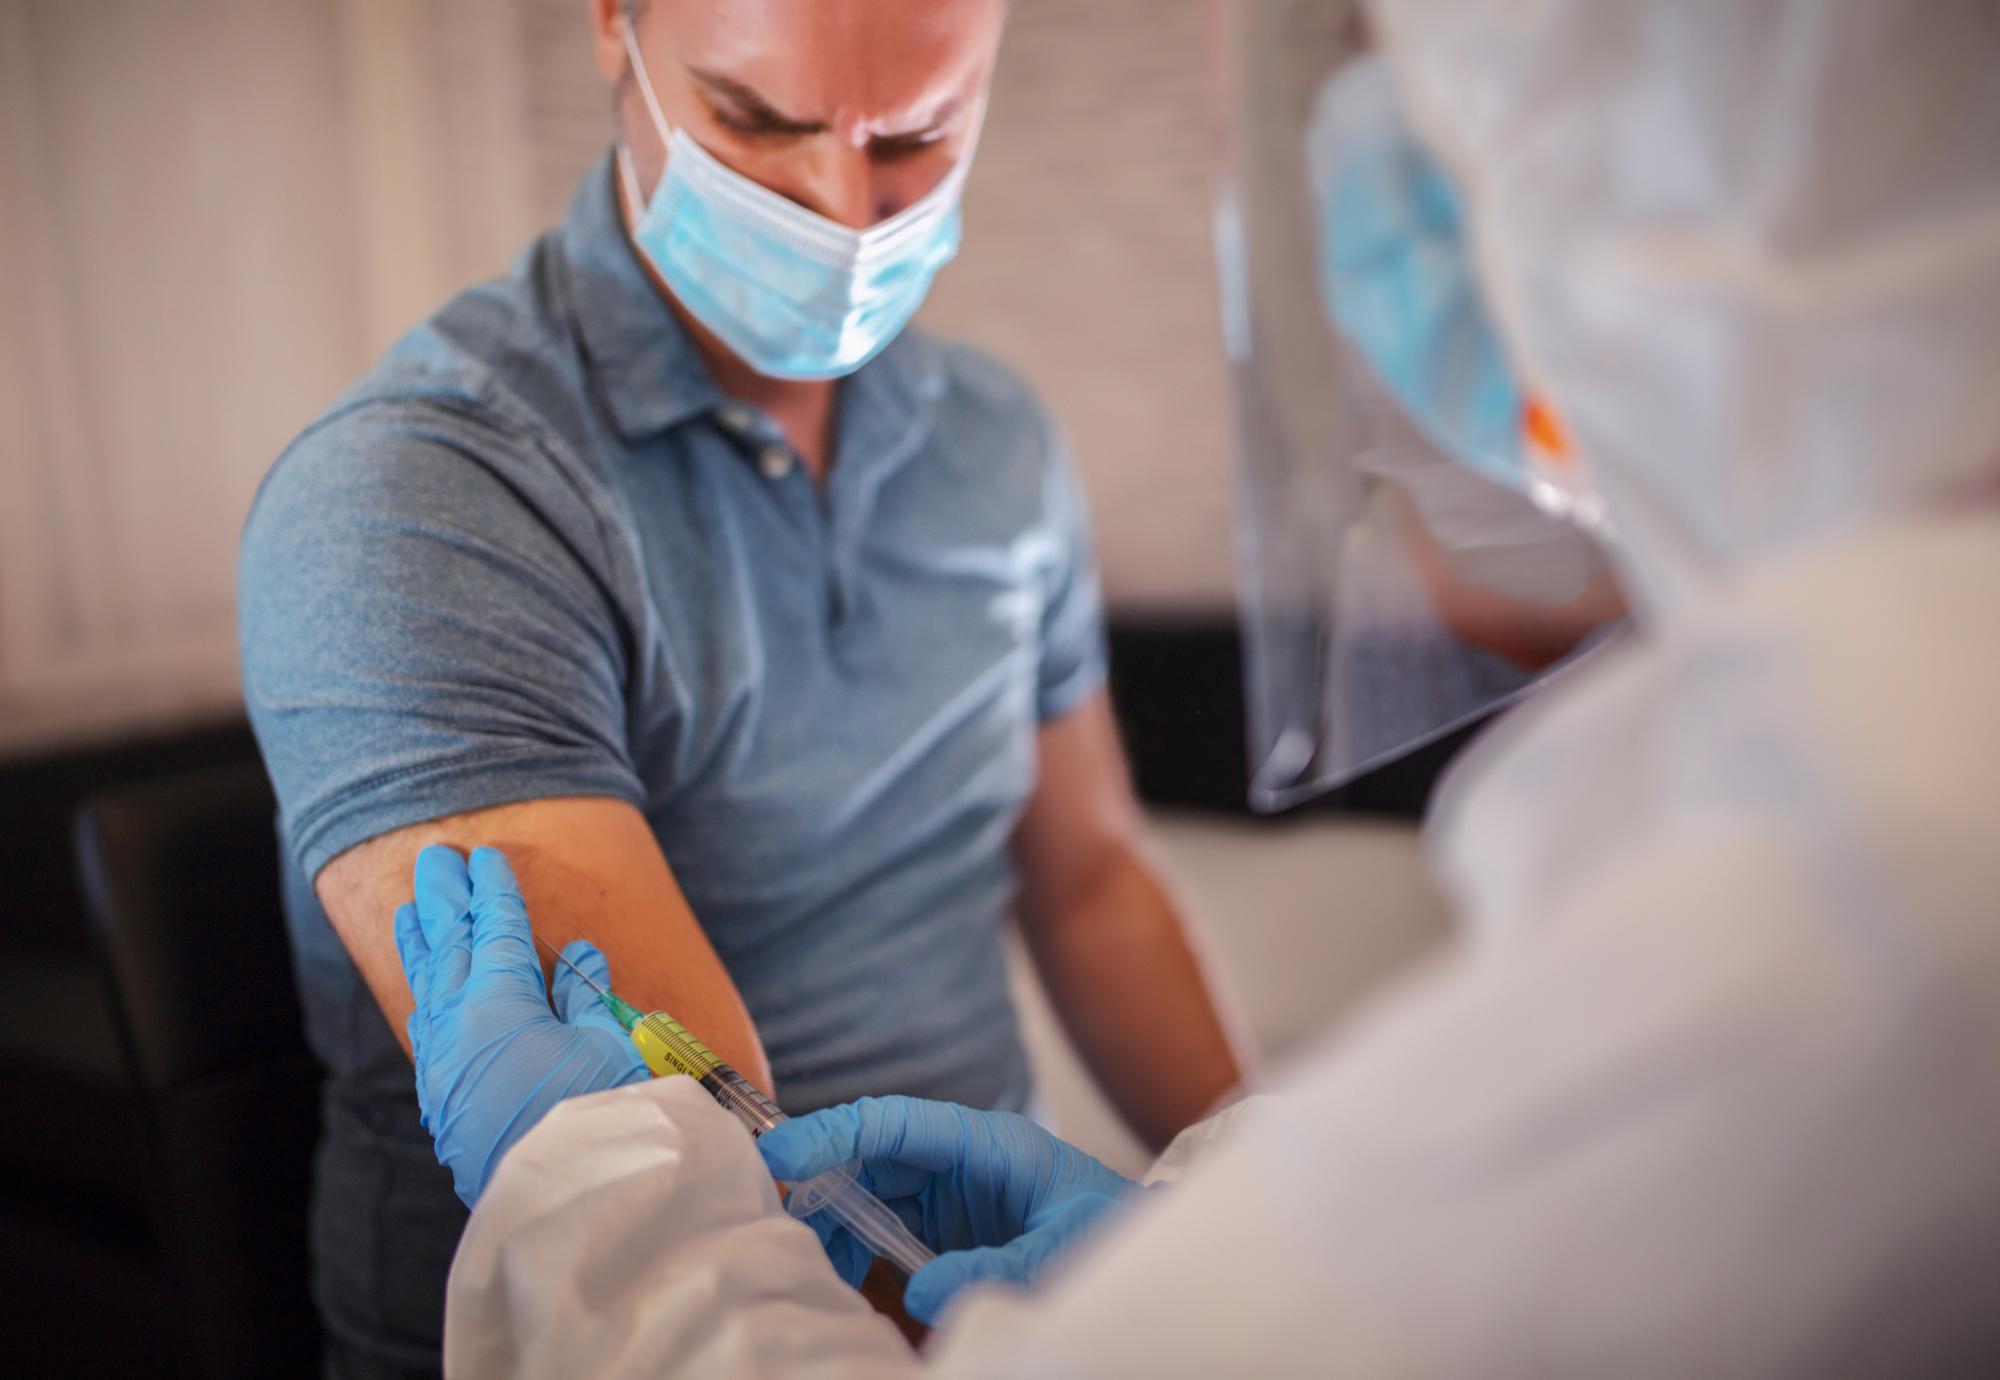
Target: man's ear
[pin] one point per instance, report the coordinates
(607, 34)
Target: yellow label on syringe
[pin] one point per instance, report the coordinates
(667, 1047)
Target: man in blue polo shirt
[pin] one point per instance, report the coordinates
(761, 633)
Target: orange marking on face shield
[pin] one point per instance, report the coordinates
(1545, 435)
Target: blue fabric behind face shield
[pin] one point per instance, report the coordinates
(1397, 282)
(793, 294)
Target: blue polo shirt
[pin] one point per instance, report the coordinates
(536, 553)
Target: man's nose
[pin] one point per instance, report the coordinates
(848, 185)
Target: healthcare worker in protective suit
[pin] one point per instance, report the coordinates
(1712, 1085)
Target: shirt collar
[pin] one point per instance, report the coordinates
(640, 360)
(648, 372)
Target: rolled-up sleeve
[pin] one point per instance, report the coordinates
(425, 629)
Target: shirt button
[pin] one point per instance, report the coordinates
(734, 417)
(775, 461)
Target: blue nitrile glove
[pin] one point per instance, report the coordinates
(994, 1193)
(491, 1056)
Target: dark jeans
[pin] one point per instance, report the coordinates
(385, 1223)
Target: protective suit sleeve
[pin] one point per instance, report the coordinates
(1199, 1143)
(637, 1233)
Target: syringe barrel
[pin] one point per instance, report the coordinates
(668, 1047)
(744, 1100)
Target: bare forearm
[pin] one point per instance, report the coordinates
(1136, 998)
(589, 869)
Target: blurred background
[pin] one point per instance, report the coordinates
(213, 215)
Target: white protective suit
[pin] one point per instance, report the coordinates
(1713, 1087)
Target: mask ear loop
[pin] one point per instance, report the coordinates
(627, 172)
(628, 178)
(660, 121)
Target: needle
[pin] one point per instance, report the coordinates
(558, 955)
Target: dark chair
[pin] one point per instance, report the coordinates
(181, 878)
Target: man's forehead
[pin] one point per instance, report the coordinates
(885, 59)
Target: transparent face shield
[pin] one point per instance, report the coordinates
(1404, 572)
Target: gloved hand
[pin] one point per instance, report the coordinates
(491, 1056)
(994, 1193)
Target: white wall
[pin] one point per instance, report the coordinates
(213, 213)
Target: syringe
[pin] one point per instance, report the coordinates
(668, 1048)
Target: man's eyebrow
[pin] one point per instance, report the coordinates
(940, 117)
(754, 106)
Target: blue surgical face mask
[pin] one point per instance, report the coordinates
(1397, 279)
(793, 294)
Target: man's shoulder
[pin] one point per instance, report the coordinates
(500, 350)
(488, 381)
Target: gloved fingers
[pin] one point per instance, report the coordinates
(851, 1260)
(1016, 1263)
(894, 1183)
(909, 1131)
(577, 1005)
(575, 1000)
(849, 1257)
(413, 950)
(503, 947)
(901, 1189)
(444, 912)
(808, 1145)
(1071, 1217)
(415, 954)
